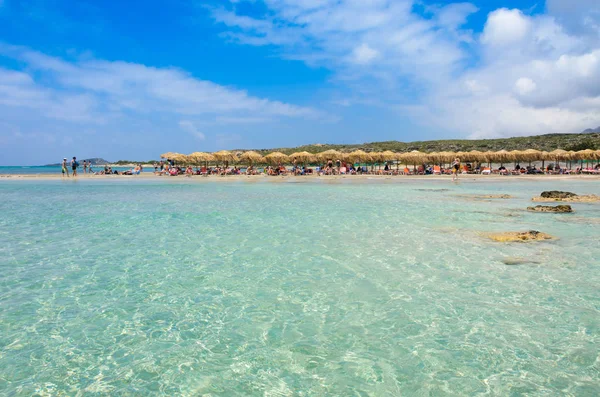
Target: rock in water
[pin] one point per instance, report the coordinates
(557, 194)
(509, 237)
(549, 208)
(513, 261)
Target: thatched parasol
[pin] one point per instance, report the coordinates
(474, 155)
(201, 157)
(168, 155)
(414, 157)
(388, 155)
(302, 157)
(359, 156)
(277, 157)
(442, 157)
(502, 156)
(586, 154)
(225, 157)
(530, 155)
(251, 157)
(181, 158)
(329, 155)
(559, 155)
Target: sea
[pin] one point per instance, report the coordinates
(51, 169)
(296, 287)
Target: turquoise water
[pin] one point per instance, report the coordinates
(175, 287)
(45, 170)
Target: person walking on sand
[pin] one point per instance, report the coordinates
(74, 165)
(455, 168)
(65, 169)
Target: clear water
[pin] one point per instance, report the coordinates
(49, 170)
(385, 287)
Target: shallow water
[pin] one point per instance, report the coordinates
(327, 287)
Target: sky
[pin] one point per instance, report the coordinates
(134, 79)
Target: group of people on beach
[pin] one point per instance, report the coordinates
(330, 167)
(74, 165)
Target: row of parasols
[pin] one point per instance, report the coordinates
(360, 156)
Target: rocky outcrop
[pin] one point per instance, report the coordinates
(509, 237)
(556, 195)
(549, 208)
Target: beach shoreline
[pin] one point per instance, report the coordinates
(217, 178)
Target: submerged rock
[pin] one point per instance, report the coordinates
(509, 237)
(548, 208)
(485, 196)
(557, 194)
(588, 198)
(513, 261)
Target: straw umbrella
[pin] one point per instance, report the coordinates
(251, 157)
(414, 157)
(502, 156)
(559, 155)
(225, 157)
(359, 156)
(388, 155)
(586, 154)
(329, 155)
(202, 157)
(442, 158)
(277, 157)
(168, 155)
(531, 155)
(303, 157)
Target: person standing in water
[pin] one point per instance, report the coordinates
(74, 165)
(84, 167)
(455, 168)
(65, 169)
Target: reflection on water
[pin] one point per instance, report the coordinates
(176, 288)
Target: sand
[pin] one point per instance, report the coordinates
(217, 178)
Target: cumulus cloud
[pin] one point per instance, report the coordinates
(505, 27)
(522, 75)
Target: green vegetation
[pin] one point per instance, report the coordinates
(126, 162)
(546, 142)
(583, 145)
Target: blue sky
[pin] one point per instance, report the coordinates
(135, 79)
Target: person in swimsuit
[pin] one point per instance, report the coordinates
(455, 168)
(65, 170)
(84, 167)
(74, 165)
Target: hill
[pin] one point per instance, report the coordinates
(546, 142)
(93, 161)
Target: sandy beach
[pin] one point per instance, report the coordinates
(306, 178)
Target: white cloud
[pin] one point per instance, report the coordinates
(115, 87)
(525, 86)
(505, 27)
(191, 129)
(364, 54)
(523, 74)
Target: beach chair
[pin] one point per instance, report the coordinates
(406, 171)
(486, 171)
(437, 170)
